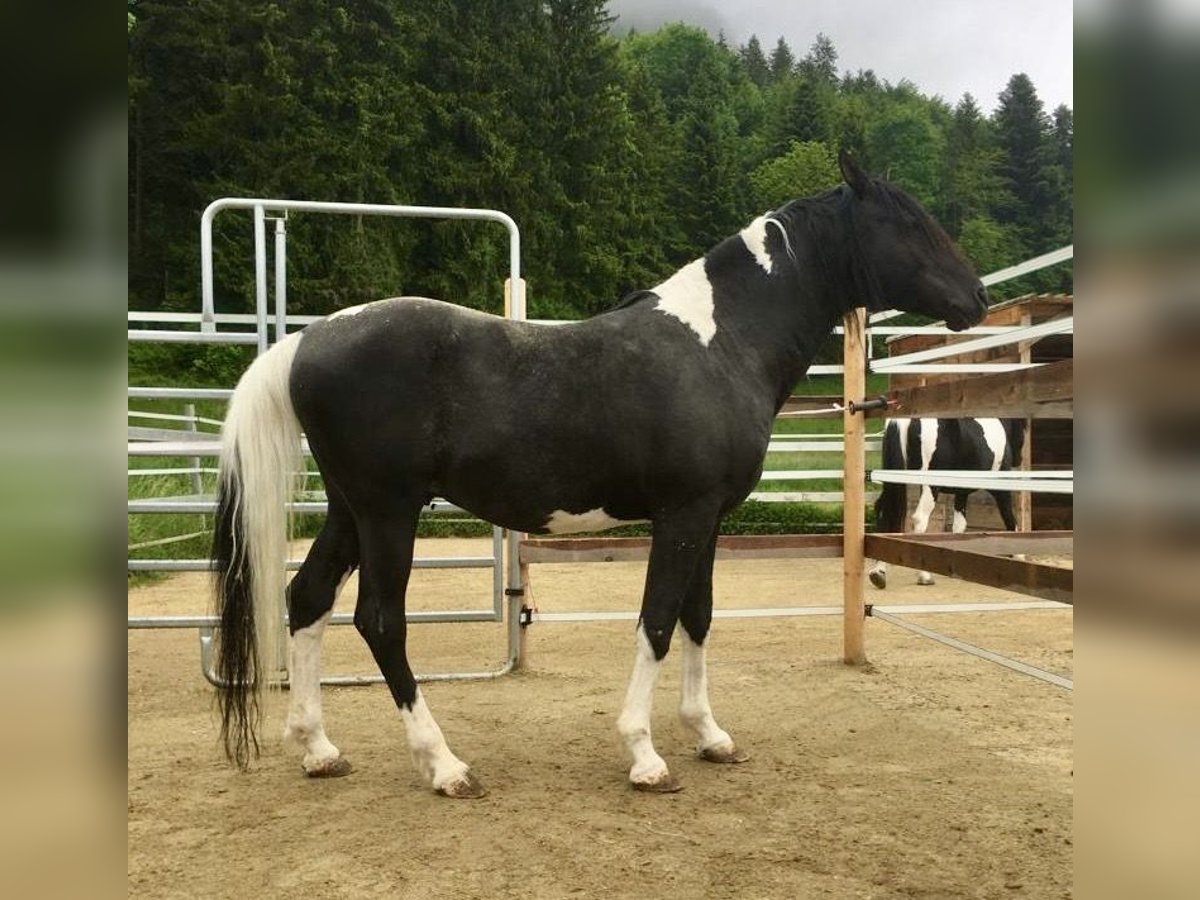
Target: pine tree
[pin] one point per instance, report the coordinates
(821, 61)
(973, 184)
(782, 61)
(1021, 128)
(754, 63)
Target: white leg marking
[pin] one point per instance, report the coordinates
(921, 520)
(634, 722)
(305, 723)
(960, 522)
(688, 296)
(694, 708)
(432, 757)
(925, 505)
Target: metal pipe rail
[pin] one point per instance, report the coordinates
(181, 444)
(206, 626)
(260, 206)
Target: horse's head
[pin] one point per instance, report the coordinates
(905, 260)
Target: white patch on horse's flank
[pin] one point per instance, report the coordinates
(688, 296)
(305, 723)
(694, 708)
(563, 522)
(430, 754)
(993, 433)
(754, 236)
(634, 721)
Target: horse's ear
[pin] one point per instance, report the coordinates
(855, 176)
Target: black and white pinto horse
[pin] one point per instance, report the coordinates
(659, 410)
(986, 445)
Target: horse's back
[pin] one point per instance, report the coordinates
(415, 394)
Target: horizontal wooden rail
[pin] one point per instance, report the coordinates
(1046, 392)
(949, 555)
(636, 549)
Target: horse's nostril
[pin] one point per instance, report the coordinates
(981, 295)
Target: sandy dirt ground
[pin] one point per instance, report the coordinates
(928, 773)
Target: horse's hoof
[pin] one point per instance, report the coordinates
(879, 579)
(730, 754)
(465, 787)
(333, 768)
(666, 783)
(924, 580)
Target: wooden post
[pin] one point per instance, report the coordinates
(1024, 505)
(508, 296)
(522, 644)
(853, 488)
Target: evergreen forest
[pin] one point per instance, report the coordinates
(620, 155)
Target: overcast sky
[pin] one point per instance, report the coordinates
(945, 47)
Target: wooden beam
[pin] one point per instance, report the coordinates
(854, 480)
(1037, 543)
(1046, 392)
(637, 549)
(947, 558)
(1024, 499)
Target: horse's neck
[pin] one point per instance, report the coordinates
(776, 324)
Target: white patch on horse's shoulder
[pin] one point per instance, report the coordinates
(350, 311)
(929, 438)
(901, 426)
(688, 296)
(993, 433)
(563, 522)
(754, 236)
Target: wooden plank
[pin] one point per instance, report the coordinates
(1038, 543)
(948, 558)
(854, 479)
(1023, 501)
(1045, 392)
(637, 549)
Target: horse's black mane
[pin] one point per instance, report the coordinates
(631, 298)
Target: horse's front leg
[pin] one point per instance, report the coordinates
(681, 541)
(920, 522)
(712, 742)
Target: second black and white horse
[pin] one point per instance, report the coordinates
(986, 445)
(659, 410)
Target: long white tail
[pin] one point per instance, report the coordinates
(260, 454)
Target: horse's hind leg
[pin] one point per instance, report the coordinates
(712, 742)
(960, 513)
(311, 596)
(1004, 503)
(386, 543)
